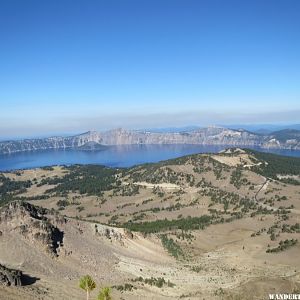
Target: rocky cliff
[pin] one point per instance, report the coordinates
(202, 136)
(36, 225)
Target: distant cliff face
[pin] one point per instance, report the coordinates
(206, 136)
(203, 136)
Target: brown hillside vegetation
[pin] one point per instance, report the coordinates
(205, 226)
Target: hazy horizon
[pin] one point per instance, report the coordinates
(268, 128)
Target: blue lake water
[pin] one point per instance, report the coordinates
(114, 156)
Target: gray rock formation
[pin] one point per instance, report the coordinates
(10, 277)
(33, 223)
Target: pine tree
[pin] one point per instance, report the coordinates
(104, 294)
(88, 284)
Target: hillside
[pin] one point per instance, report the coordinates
(286, 135)
(204, 226)
(285, 139)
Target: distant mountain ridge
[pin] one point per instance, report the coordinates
(214, 135)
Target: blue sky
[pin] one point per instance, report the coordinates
(71, 66)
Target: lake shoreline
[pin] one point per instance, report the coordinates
(114, 156)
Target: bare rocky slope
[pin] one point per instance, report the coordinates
(204, 226)
(285, 139)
